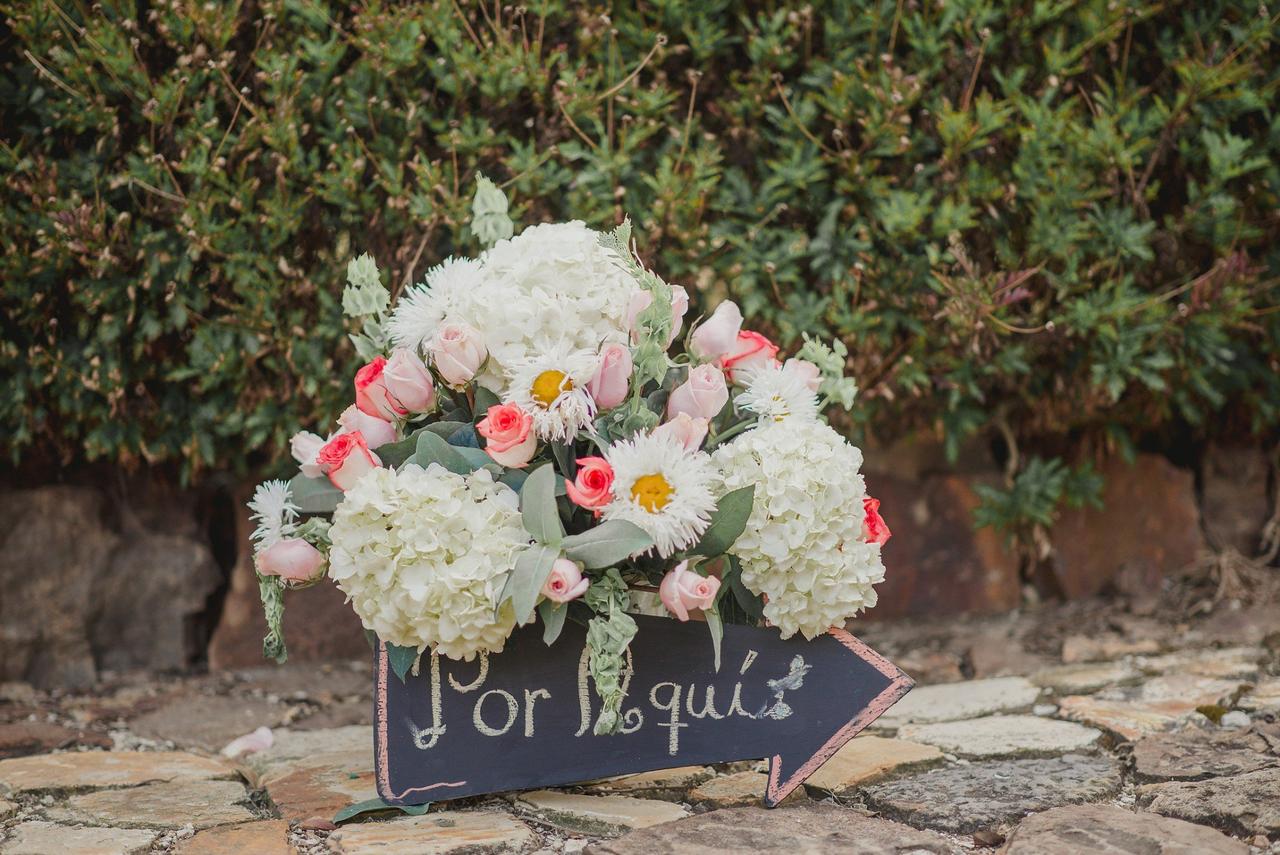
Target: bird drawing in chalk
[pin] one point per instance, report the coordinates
(794, 679)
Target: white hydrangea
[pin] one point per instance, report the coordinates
(553, 284)
(422, 555)
(803, 547)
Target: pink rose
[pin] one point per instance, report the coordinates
(873, 525)
(593, 487)
(408, 382)
(751, 352)
(371, 391)
(376, 431)
(291, 558)
(684, 429)
(508, 431)
(565, 582)
(347, 458)
(642, 300)
(809, 372)
(304, 447)
(608, 387)
(703, 395)
(719, 334)
(458, 351)
(683, 589)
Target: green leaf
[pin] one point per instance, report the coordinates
(489, 220)
(716, 625)
(272, 596)
(727, 523)
(485, 398)
(538, 506)
(514, 478)
(376, 806)
(553, 615)
(432, 448)
(401, 659)
(606, 544)
(525, 581)
(314, 495)
(365, 294)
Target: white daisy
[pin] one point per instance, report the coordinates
(664, 488)
(443, 293)
(552, 387)
(273, 508)
(778, 392)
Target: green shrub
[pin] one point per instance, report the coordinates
(1058, 219)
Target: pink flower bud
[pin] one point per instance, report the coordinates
(291, 558)
(702, 396)
(347, 458)
(565, 582)
(509, 437)
(593, 487)
(873, 525)
(683, 589)
(376, 431)
(719, 333)
(371, 391)
(304, 447)
(609, 386)
(458, 351)
(684, 429)
(805, 369)
(408, 382)
(750, 353)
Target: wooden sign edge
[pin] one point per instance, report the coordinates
(899, 685)
(775, 790)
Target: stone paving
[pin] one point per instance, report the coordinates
(1070, 729)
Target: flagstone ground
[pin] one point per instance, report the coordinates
(1079, 728)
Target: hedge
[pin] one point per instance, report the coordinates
(1050, 226)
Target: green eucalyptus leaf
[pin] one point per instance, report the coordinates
(538, 506)
(401, 659)
(553, 615)
(716, 625)
(376, 806)
(727, 523)
(606, 544)
(485, 398)
(314, 495)
(432, 448)
(524, 582)
(514, 478)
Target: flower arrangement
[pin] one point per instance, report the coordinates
(533, 438)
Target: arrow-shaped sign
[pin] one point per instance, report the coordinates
(523, 718)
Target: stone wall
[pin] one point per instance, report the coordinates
(136, 576)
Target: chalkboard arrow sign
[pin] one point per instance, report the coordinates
(523, 718)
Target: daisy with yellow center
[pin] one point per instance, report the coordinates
(664, 488)
(552, 388)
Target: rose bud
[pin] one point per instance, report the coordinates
(642, 299)
(409, 382)
(608, 387)
(304, 447)
(291, 558)
(565, 582)
(718, 335)
(376, 431)
(458, 351)
(371, 391)
(702, 396)
(593, 487)
(347, 458)
(751, 352)
(683, 589)
(508, 431)
(684, 429)
(873, 525)
(806, 370)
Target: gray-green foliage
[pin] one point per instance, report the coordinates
(608, 635)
